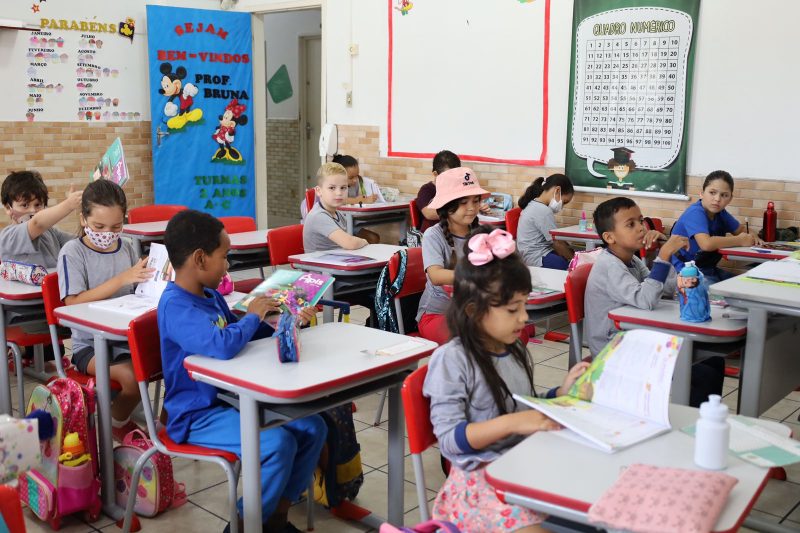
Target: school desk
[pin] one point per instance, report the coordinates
(359, 215)
(105, 326)
(666, 318)
(13, 294)
(589, 238)
(337, 364)
(771, 366)
(144, 232)
(492, 221)
(351, 276)
(552, 474)
(753, 254)
(249, 249)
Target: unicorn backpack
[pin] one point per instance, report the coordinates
(67, 481)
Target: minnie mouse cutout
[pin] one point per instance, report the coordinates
(224, 134)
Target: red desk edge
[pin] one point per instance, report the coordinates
(23, 296)
(373, 208)
(347, 268)
(576, 235)
(758, 255)
(94, 325)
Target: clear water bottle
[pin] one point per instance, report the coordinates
(712, 435)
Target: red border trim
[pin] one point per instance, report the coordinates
(582, 235)
(250, 246)
(676, 326)
(94, 325)
(758, 255)
(296, 393)
(750, 505)
(374, 208)
(545, 298)
(468, 157)
(527, 492)
(21, 296)
(344, 268)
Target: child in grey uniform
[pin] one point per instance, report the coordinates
(471, 380)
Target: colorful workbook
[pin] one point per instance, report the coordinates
(785, 271)
(148, 292)
(112, 165)
(294, 289)
(623, 398)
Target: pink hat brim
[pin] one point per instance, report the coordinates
(442, 200)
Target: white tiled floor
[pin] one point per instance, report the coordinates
(205, 484)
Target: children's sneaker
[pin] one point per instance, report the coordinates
(119, 432)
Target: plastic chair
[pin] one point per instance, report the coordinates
(512, 220)
(284, 242)
(416, 214)
(238, 224)
(651, 224)
(17, 339)
(153, 213)
(420, 431)
(574, 289)
(11, 510)
(145, 347)
(311, 196)
(52, 301)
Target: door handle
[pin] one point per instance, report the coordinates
(160, 134)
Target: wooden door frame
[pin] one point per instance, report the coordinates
(302, 43)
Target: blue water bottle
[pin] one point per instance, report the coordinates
(693, 294)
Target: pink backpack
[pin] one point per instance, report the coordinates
(157, 490)
(429, 526)
(584, 258)
(54, 490)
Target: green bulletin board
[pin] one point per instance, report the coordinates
(630, 88)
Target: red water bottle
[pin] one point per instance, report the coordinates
(770, 222)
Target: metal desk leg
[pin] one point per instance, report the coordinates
(682, 377)
(590, 245)
(106, 452)
(327, 311)
(5, 385)
(395, 457)
(251, 464)
(351, 224)
(753, 362)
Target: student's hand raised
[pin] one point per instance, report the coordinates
(137, 273)
(574, 373)
(73, 200)
(673, 244)
(531, 421)
(746, 239)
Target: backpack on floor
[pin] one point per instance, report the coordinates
(340, 477)
(56, 489)
(157, 490)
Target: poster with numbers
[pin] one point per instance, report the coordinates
(630, 88)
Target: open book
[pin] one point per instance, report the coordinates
(112, 165)
(623, 398)
(294, 289)
(148, 292)
(785, 271)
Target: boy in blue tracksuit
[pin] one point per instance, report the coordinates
(193, 318)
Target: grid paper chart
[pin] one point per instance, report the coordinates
(630, 86)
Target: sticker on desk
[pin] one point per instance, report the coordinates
(402, 347)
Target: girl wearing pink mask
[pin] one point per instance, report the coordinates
(97, 266)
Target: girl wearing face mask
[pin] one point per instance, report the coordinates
(96, 266)
(542, 200)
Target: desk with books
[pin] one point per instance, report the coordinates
(758, 254)
(249, 249)
(360, 215)
(144, 232)
(588, 238)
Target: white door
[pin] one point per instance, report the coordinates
(310, 114)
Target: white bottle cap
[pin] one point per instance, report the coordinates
(714, 409)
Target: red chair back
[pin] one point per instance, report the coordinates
(652, 224)
(416, 214)
(284, 242)
(145, 344)
(238, 224)
(414, 282)
(311, 195)
(417, 410)
(51, 297)
(574, 289)
(512, 220)
(153, 213)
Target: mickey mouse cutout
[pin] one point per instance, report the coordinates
(172, 86)
(224, 134)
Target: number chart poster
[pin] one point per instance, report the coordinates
(201, 80)
(630, 87)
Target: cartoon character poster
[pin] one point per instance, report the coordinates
(201, 82)
(630, 88)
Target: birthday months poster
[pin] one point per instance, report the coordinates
(630, 88)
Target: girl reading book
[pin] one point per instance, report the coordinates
(471, 380)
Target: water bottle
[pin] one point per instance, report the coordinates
(582, 222)
(770, 222)
(712, 435)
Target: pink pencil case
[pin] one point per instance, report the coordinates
(24, 272)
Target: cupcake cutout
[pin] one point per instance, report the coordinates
(91, 99)
(64, 58)
(29, 116)
(89, 85)
(82, 101)
(81, 116)
(31, 100)
(115, 114)
(106, 115)
(83, 42)
(80, 72)
(39, 55)
(114, 73)
(49, 88)
(123, 115)
(98, 43)
(39, 99)
(91, 43)
(31, 71)
(115, 101)
(59, 88)
(60, 42)
(90, 72)
(80, 85)
(34, 40)
(106, 72)
(137, 115)
(97, 115)
(55, 58)
(30, 55)
(88, 115)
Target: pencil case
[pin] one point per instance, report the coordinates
(23, 272)
(286, 337)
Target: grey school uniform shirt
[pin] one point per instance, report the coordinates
(16, 245)
(533, 233)
(80, 268)
(613, 284)
(460, 395)
(436, 251)
(318, 225)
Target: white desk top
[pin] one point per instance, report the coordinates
(548, 277)
(90, 318)
(332, 357)
(149, 229)
(380, 253)
(666, 316)
(755, 252)
(575, 232)
(759, 292)
(376, 207)
(492, 221)
(556, 470)
(16, 290)
(249, 239)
